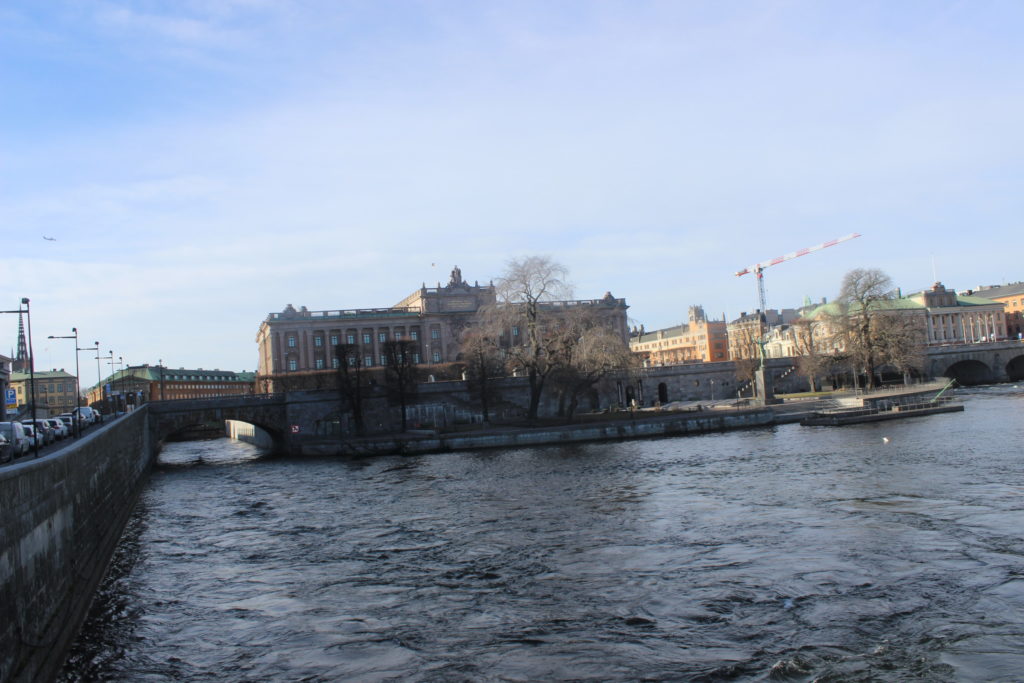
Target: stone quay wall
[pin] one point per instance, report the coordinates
(643, 426)
(63, 515)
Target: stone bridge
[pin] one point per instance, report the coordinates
(978, 363)
(288, 418)
(291, 419)
(269, 412)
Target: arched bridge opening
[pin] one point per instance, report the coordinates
(1015, 369)
(969, 372)
(171, 419)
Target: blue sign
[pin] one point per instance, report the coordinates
(11, 398)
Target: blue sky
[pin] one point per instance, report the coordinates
(202, 164)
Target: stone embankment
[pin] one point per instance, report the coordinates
(62, 517)
(696, 419)
(642, 425)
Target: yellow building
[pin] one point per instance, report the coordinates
(55, 391)
(698, 341)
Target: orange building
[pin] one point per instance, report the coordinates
(698, 341)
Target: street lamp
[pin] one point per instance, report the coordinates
(78, 382)
(31, 366)
(113, 378)
(99, 387)
(124, 382)
(99, 381)
(712, 389)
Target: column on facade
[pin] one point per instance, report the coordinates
(277, 353)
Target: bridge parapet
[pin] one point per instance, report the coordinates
(977, 363)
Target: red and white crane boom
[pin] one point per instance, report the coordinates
(758, 268)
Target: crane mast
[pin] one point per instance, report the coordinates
(758, 270)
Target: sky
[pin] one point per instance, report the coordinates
(201, 164)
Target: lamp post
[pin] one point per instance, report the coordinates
(99, 388)
(31, 366)
(121, 372)
(99, 382)
(161, 366)
(78, 382)
(124, 382)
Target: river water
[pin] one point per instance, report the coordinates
(790, 553)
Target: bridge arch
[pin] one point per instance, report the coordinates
(173, 417)
(1015, 369)
(970, 371)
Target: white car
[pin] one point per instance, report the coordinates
(35, 438)
(88, 416)
(60, 430)
(14, 432)
(43, 429)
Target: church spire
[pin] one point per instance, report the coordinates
(21, 359)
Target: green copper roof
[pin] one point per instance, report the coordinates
(41, 375)
(907, 303)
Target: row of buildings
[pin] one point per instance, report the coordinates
(56, 391)
(943, 316)
(300, 343)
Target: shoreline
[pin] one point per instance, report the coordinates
(641, 425)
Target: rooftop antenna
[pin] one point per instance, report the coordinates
(935, 272)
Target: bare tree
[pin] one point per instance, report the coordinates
(484, 361)
(350, 383)
(400, 371)
(588, 350)
(744, 345)
(900, 339)
(522, 319)
(864, 297)
(811, 359)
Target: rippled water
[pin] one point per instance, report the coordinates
(792, 553)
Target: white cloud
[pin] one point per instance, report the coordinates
(655, 151)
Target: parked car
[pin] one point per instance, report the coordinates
(15, 434)
(87, 413)
(69, 421)
(60, 430)
(46, 436)
(35, 437)
(6, 449)
(99, 416)
(49, 436)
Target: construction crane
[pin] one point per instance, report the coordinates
(758, 268)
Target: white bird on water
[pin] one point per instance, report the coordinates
(885, 439)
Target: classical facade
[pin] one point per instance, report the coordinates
(698, 341)
(55, 391)
(1012, 298)
(944, 316)
(951, 318)
(299, 341)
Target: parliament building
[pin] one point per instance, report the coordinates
(432, 318)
